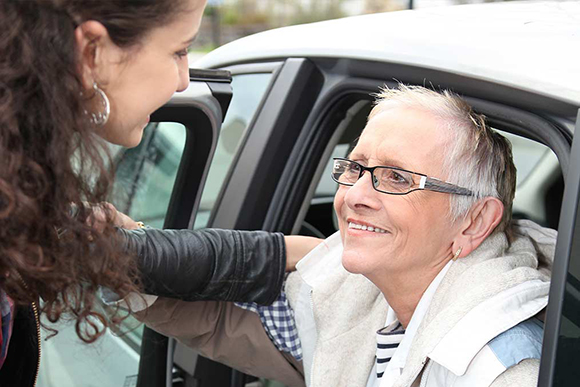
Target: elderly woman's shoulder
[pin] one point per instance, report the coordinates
(524, 374)
(519, 350)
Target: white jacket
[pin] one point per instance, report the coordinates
(475, 332)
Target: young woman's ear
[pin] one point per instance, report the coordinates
(480, 222)
(95, 51)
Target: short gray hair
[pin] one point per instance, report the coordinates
(478, 158)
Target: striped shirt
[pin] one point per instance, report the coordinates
(388, 340)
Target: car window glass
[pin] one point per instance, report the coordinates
(248, 92)
(326, 186)
(68, 362)
(144, 180)
(145, 174)
(527, 154)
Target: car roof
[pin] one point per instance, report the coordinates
(534, 46)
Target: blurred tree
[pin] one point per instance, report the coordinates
(317, 10)
(227, 20)
(375, 6)
(245, 12)
(214, 14)
(484, 1)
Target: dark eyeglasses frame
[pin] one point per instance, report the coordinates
(426, 183)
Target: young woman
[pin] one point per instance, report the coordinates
(72, 74)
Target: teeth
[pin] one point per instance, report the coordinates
(366, 228)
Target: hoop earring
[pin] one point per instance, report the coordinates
(457, 254)
(100, 118)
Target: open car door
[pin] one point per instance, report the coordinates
(160, 183)
(561, 347)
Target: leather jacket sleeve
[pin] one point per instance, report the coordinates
(211, 264)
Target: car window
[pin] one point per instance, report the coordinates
(249, 90)
(527, 154)
(145, 174)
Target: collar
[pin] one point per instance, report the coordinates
(400, 357)
(316, 264)
(461, 344)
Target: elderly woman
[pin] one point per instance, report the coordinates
(424, 211)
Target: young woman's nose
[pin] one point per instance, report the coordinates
(183, 71)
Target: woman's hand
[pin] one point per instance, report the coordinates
(297, 246)
(107, 212)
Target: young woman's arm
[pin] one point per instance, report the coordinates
(214, 264)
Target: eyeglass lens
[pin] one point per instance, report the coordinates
(384, 178)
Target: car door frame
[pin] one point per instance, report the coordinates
(201, 109)
(562, 287)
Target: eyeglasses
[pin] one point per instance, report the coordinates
(391, 180)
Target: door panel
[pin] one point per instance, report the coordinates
(561, 348)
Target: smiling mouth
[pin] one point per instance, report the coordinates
(363, 227)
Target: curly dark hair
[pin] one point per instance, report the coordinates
(52, 161)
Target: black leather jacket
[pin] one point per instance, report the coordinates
(213, 264)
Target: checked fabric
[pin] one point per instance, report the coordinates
(279, 324)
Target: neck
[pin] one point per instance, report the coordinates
(403, 290)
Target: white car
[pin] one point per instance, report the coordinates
(300, 96)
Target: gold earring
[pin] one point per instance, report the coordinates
(457, 254)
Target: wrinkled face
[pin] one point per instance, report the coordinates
(414, 230)
(148, 76)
